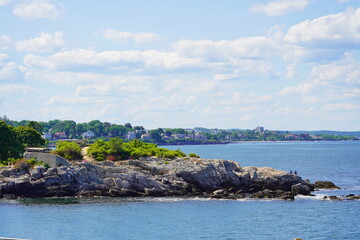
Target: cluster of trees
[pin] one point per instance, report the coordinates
(68, 150)
(116, 149)
(75, 130)
(13, 140)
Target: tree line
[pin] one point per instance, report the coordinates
(13, 140)
(75, 130)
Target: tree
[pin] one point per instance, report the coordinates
(155, 134)
(35, 125)
(10, 146)
(68, 150)
(128, 125)
(70, 128)
(29, 136)
(117, 130)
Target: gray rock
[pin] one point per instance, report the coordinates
(301, 188)
(149, 177)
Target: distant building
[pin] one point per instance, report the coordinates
(130, 135)
(199, 137)
(167, 138)
(47, 135)
(88, 134)
(60, 135)
(259, 129)
(180, 136)
(145, 137)
(291, 136)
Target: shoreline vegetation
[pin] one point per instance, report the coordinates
(60, 130)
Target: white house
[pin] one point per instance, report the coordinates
(145, 137)
(88, 134)
(130, 135)
(47, 135)
(180, 136)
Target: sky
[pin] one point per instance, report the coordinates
(282, 64)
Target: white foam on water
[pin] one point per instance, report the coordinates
(317, 197)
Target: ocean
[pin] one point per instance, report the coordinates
(198, 218)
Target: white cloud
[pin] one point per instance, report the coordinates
(38, 9)
(5, 42)
(341, 107)
(44, 43)
(120, 36)
(302, 89)
(280, 7)
(68, 100)
(336, 30)
(345, 72)
(112, 60)
(9, 71)
(252, 47)
(5, 2)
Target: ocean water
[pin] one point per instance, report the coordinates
(198, 218)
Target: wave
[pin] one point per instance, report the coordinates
(316, 197)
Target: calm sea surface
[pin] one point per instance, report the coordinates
(193, 218)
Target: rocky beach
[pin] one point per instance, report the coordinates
(154, 177)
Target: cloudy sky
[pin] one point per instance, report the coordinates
(282, 64)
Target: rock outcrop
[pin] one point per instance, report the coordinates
(325, 185)
(152, 177)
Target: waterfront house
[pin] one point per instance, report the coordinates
(145, 137)
(47, 135)
(88, 134)
(130, 135)
(60, 135)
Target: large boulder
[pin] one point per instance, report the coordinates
(301, 188)
(325, 185)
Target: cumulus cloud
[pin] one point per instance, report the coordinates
(5, 2)
(5, 42)
(38, 9)
(280, 7)
(112, 60)
(332, 31)
(46, 42)
(120, 36)
(302, 89)
(345, 72)
(9, 71)
(252, 47)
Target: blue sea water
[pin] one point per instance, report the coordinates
(197, 218)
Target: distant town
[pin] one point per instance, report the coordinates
(55, 130)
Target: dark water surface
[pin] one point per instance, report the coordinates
(196, 218)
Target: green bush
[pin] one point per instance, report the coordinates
(68, 150)
(193, 155)
(133, 149)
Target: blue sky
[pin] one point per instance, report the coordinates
(282, 64)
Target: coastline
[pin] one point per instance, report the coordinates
(250, 141)
(154, 177)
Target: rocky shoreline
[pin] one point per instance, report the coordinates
(154, 177)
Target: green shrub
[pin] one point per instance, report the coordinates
(193, 155)
(68, 150)
(100, 150)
